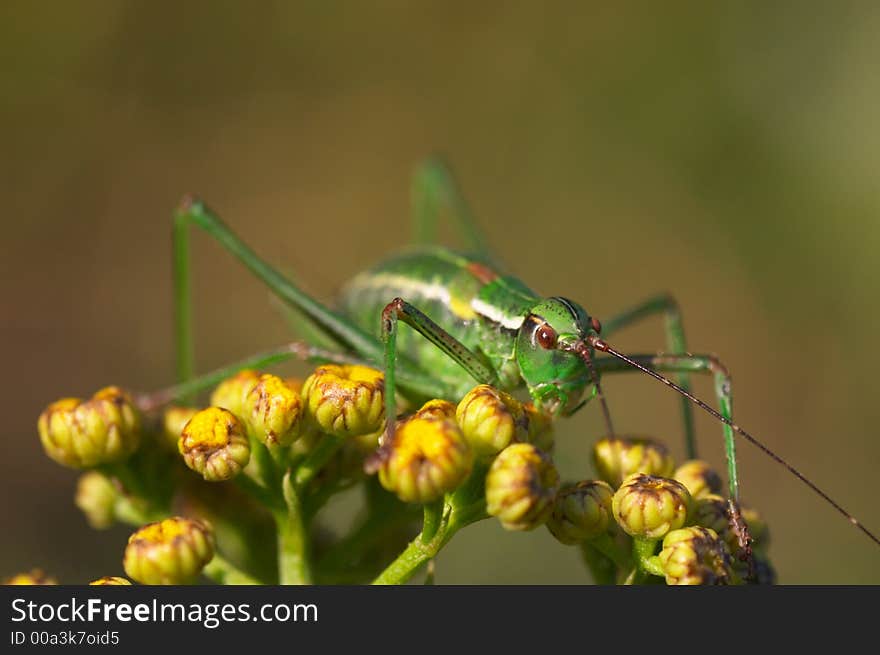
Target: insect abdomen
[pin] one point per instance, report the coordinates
(456, 292)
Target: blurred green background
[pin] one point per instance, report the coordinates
(727, 152)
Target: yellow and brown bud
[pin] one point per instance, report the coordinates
(230, 393)
(699, 478)
(617, 458)
(521, 486)
(428, 456)
(96, 497)
(173, 551)
(174, 419)
(82, 434)
(273, 411)
(110, 580)
(437, 409)
(649, 507)
(214, 445)
(34, 577)
(581, 512)
(695, 556)
(345, 400)
(491, 420)
(711, 511)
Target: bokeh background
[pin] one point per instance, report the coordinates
(727, 152)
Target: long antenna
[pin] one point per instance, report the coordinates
(602, 346)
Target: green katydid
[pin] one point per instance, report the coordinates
(470, 323)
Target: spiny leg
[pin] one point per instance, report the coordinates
(363, 345)
(299, 322)
(675, 341)
(400, 310)
(433, 190)
(194, 212)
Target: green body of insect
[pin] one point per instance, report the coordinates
(496, 317)
(469, 323)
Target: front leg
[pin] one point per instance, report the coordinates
(400, 310)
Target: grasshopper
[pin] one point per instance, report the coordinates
(469, 323)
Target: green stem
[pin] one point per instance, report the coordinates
(424, 547)
(654, 567)
(414, 556)
(222, 571)
(316, 460)
(127, 510)
(433, 516)
(643, 552)
(293, 546)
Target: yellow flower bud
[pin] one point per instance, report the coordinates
(345, 401)
(174, 420)
(96, 497)
(428, 456)
(173, 551)
(648, 506)
(272, 411)
(82, 434)
(616, 458)
(491, 420)
(699, 478)
(230, 393)
(438, 409)
(520, 487)
(695, 556)
(109, 580)
(710, 511)
(581, 512)
(214, 445)
(35, 577)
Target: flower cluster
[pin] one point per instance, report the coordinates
(207, 487)
(645, 517)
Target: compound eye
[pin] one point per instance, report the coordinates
(597, 326)
(546, 337)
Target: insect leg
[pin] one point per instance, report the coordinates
(194, 212)
(360, 344)
(400, 310)
(663, 304)
(434, 191)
